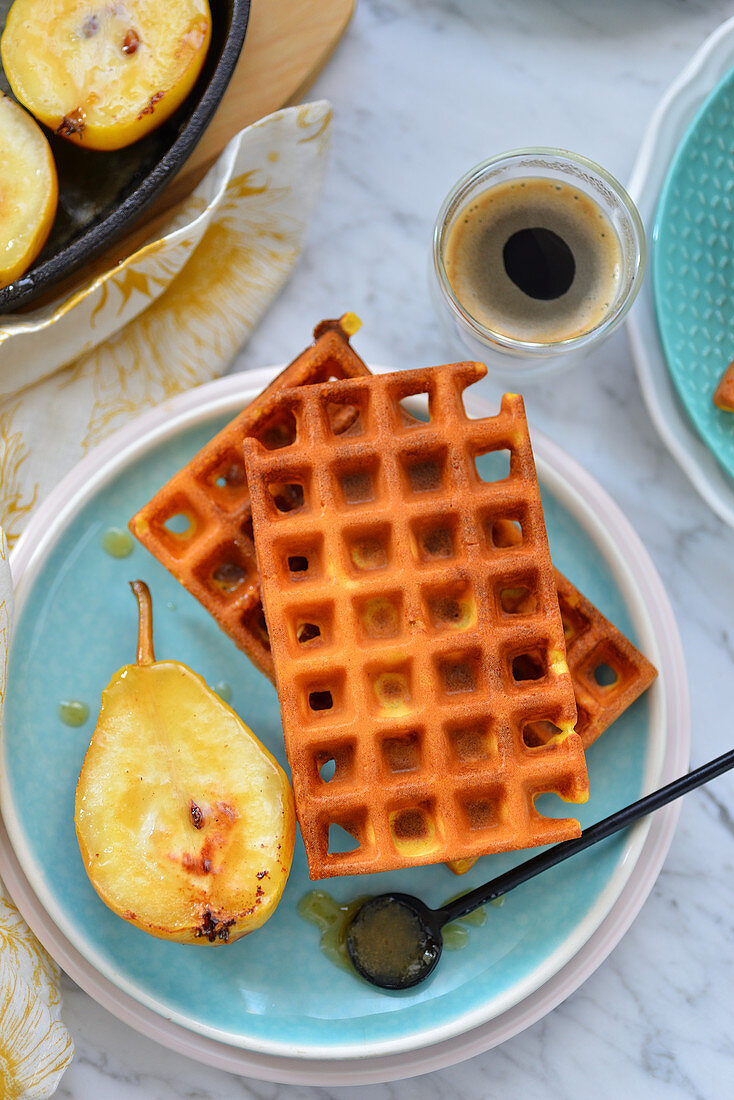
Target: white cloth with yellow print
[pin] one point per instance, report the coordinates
(35, 1047)
(169, 317)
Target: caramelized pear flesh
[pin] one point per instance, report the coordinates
(28, 190)
(104, 74)
(185, 821)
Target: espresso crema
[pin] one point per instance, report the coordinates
(534, 259)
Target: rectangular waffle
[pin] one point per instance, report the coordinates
(398, 665)
(607, 671)
(199, 525)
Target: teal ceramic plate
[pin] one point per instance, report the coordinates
(693, 267)
(274, 992)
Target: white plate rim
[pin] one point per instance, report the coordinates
(632, 566)
(669, 123)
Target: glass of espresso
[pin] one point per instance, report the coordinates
(537, 255)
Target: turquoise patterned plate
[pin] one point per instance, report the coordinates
(693, 267)
(274, 992)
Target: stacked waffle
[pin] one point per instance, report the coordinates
(413, 621)
(199, 525)
(607, 671)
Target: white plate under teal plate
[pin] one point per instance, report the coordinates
(683, 185)
(271, 1005)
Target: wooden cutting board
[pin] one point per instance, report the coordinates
(288, 42)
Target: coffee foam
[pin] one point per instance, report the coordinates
(475, 267)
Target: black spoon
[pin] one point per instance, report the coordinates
(394, 940)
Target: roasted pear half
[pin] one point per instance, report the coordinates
(185, 821)
(104, 74)
(28, 190)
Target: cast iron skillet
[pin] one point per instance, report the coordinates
(101, 194)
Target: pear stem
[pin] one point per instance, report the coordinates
(146, 656)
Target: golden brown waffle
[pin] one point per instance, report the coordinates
(607, 671)
(397, 662)
(199, 525)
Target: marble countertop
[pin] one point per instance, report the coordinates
(422, 90)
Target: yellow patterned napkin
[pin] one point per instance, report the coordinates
(35, 1047)
(171, 316)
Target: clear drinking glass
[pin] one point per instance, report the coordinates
(519, 358)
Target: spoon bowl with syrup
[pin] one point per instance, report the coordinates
(394, 940)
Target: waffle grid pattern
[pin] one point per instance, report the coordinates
(595, 651)
(398, 663)
(199, 524)
(608, 672)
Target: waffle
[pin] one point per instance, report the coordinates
(607, 671)
(199, 525)
(405, 684)
(724, 393)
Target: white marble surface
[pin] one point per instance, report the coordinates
(422, 90)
